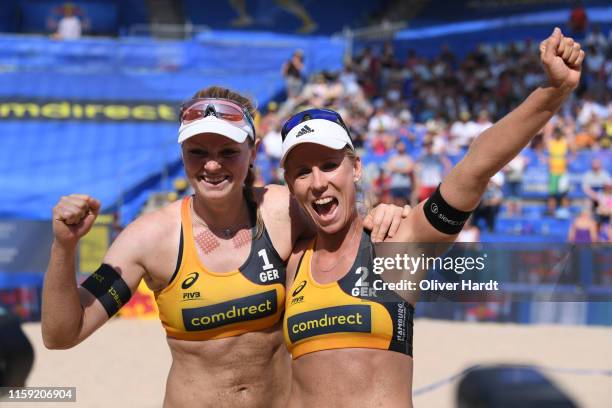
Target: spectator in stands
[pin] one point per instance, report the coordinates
(596, 38)
(429, 171)
(400, 167)
(514, 173)
(368, 67)
(589, 136)
(578, 20)
(464, 130)
(316, 92)
(484, 121)
(594, 180)
(388, 64)
(406, 128)
(69, 26)
(272, 143)
(489, 206)
(606, 140)
(292, 71)
(584, 228)
(348, 78)
(381, 186)
(382, 121)
(603, 203)
(590, 108)
(558, 179)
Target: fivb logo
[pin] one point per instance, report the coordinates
(304, 130)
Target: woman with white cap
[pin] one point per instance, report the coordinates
(353, 347)
(215, 261)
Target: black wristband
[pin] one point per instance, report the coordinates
(442, 216)
(109, 288)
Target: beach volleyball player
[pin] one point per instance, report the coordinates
(355, 350)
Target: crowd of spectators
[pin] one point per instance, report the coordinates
(413, 118)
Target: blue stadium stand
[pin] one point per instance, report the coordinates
(121, 162)
(330, 16)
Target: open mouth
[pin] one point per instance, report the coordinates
(216, 180)
(325, 207)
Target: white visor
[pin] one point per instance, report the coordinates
(320, 131)
(212, 124)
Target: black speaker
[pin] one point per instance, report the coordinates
(16, 353)
(505, 386)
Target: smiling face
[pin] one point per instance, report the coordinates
(216, 166)
(323, 182)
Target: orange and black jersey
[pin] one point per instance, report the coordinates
(341, 315)
(199, 304)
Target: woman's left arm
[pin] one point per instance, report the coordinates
(463, 187)
(495, 147)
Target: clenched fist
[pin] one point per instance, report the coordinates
(562, 59)
(73, 217)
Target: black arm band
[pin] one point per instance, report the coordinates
(442, 216)
(109, 288)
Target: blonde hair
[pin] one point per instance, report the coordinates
(249, 181)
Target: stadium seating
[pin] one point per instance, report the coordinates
(330, 16)
(118, 160)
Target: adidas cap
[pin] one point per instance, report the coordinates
(320, 131)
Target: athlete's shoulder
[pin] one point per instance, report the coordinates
(273, 195)
(155, 226)
(274, 201)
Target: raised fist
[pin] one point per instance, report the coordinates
(73, 217)
(562, 59)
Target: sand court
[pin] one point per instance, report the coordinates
(126, 362)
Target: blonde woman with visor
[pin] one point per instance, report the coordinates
(353, 349)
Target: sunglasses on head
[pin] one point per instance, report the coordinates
(223, 109)
(325, 114)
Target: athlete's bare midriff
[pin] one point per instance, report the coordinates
(250, 370)
(352, 378)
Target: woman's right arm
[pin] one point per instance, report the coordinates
(71, 313)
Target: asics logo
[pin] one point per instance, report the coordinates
(191, 279)
(299, 288)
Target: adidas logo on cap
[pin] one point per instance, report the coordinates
(304, 130)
